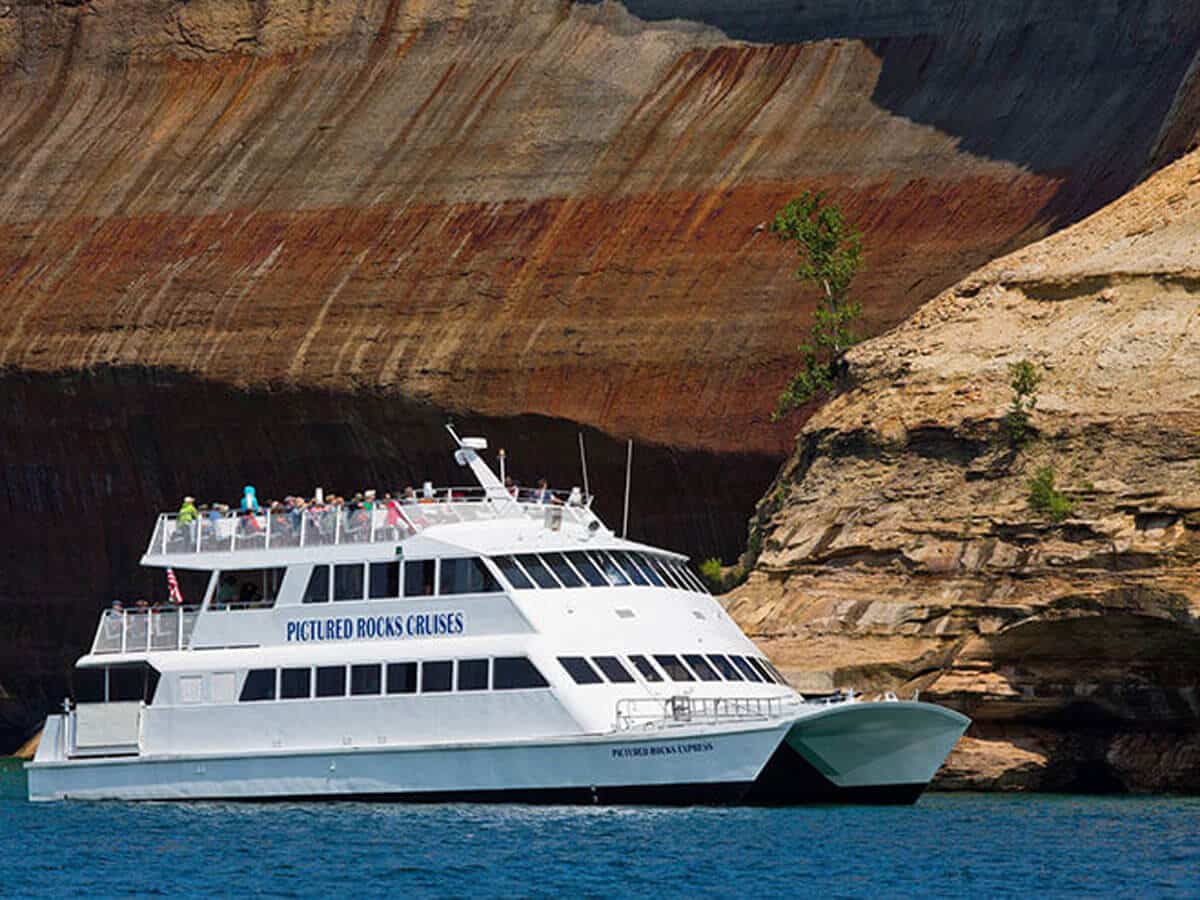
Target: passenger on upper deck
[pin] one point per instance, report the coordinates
(543, 494)
(187, 518)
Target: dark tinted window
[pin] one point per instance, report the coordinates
(612, 669)
(725, 667)
(318, 586)
(331, 681)
(512, 672)
(762, 669)
(365, 679)
(587, 568)
(608, 567)
(646, 668)
(512, 572)
(259, 685)
(693, 579)
(774, 671)
(294, 683)
(418, 578)
(128, 683)
(472, 674)
(664, 572)
(558, 563)
(701, 667)
(745, 668)
(402, 678)
(675, 670)
(648, 568)
(435, 676)
(635, 574)
(467, 576)
(348, 582)
(537, 571)
(385, 580)
(88, 685)
(577, 667)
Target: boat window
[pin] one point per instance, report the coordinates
(331, 681)
(779, 679)
(88, 685)
(745, 668)
(701, 667)
(418, 577)
(247, 589)
(472, 675)
(559, 565)
(662, 570)
(611, 570)
(725, 667)
(259, 685)
(295, 684)
(515, 672)
(467, 576)
(318, 585)
(133, 682)
(402, 678)
(435, 676)
(587, 569)
(537, 571)
(693, 579)
(577, 667)
(348, 581)
(762, 669)
(635, 574)
(648, 568)
(675, 670)
(365, 679)
(612, 669)
(516, 577)
(646, 667)
(384, 580)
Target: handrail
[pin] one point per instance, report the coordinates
(142, 630)
(385, 522)
(680, 710)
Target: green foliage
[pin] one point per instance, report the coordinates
(1046, 499)
(830, 252)
(718, 578)
(1024, 379)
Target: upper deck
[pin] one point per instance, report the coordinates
(174, 542)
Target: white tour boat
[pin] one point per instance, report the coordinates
(475, 646)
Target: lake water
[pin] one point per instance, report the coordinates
(945, 846)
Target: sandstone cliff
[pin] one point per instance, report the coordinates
(280, 242)
(899, 549)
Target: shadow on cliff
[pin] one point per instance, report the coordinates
(89, 459)
(1081, 91)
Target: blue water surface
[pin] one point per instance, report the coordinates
(945, 846)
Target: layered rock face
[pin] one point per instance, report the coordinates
(900, 549)
(350, 219)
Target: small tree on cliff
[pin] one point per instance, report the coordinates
(830, 252)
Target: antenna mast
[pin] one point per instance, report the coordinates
(628, 477)
(587, 491)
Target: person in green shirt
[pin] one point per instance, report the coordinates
(186, 519)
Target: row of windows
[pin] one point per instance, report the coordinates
(687, 667)
(504, 673)
(391, 580)
(596, 568)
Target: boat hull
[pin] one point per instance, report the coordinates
(764, 764)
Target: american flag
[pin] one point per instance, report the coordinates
(173, 588)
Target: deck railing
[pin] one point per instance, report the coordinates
(318, 526)
(668, 712)
(141, 630)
